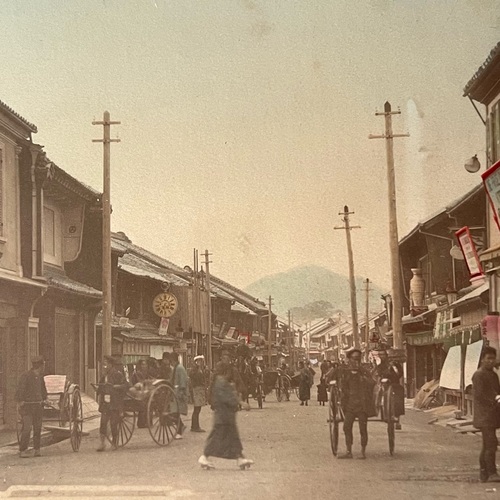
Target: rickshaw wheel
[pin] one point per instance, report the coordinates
(64, 409)
(260, 397)
(277, 389)
(162, 422)
(76, 419)
(333, 421)
(126, 426)
(390, 417)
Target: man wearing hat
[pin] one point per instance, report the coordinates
(110, 395)
(197, 377)
(357, 401)
(31, 394)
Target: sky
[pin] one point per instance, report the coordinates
(244, 123)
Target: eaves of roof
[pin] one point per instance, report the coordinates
(241, 296)
(491, 67)
(25, 123)
(74, 185)
(448, 209)
(62, 282)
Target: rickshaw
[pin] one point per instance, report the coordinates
(64, 407)
(384, 404)
(157, 399)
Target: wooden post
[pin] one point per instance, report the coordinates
(352, 283)
(207, 286)
(393, 224)
(269, 331)
(367, 319)
(106, 233)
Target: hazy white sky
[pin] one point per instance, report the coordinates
(245, 122)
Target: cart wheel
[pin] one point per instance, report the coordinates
(333, 420)
(76, 420)
(277, 389)
(126, 426)
(162, 421)
(391, 419)
(64, 409)
(259, 396)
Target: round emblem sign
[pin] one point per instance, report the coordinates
(165, 305)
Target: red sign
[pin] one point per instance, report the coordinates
(469, 251)
(491, 181)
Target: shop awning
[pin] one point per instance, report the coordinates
(421, 338)
(450, 374)
(477, 292)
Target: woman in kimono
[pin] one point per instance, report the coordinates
(305, 382)
(180, 385)
(224, 440)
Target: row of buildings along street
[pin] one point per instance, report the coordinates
(50, 280)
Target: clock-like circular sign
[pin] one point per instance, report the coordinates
(165, 305)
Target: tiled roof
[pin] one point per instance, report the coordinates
(494, 54)
(62, 282)
(134, 264)
(241, 296)
(241, 308)
(30, 126)
(446, 210)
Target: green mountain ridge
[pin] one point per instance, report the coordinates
(304, 285)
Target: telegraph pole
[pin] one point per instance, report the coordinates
(352, 284)
(269, 330)
(367, 318)
(106, 233)
(393, 223)
(207, 286)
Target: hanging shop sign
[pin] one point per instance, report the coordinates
(491, 181)
(165, 305)
(163, 330)
(469, 250)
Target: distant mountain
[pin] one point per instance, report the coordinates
(305, 285)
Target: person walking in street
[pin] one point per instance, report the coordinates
(165, 371)
(304, 384)
(224, 440)
(110, 395)
(180, 384)
(357, 401)
(198, 381)
(31, 395)
(323, 386)
(486, 406)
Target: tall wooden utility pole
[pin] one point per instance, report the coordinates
(269, 330)
(352, 284)
(207, 286)
(393, 224)
(367, 318)
(106, 232)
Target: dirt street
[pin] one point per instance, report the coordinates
(291, 449)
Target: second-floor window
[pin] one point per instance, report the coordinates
(52, 246)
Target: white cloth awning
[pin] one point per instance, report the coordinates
(472, 361)
(450, 374)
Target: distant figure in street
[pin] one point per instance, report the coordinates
(139, 376)
(110, 395)
(31, 394)
(323, 385)
(357, 401)
(179, 382)
(305, 382)
(224, 440)
(152, 365)
(197, 376)
(486, 391)
(165, 370)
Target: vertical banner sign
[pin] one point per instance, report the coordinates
(491, 181)
(164, 326)
(469, 251)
